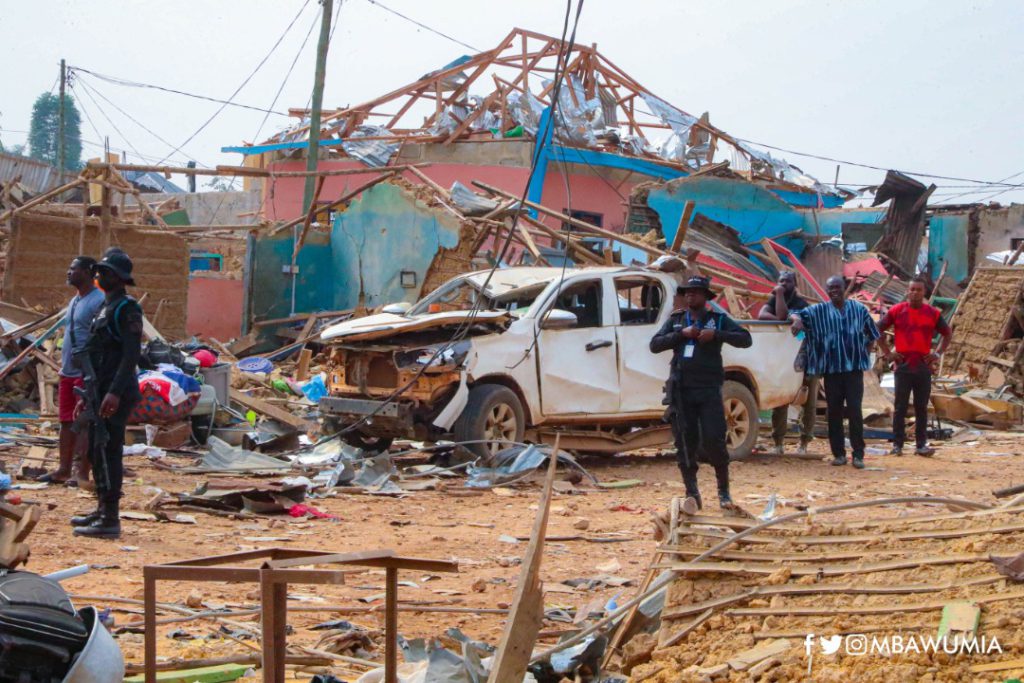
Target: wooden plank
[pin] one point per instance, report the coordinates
(527, 612)
(269, 410)
(576, 223)
(769, 568)
(677, 637)
(744, 660)
(302, 371)
(898, 608)
(684, 222)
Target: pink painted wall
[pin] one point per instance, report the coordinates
(214, 308)
(588, 192)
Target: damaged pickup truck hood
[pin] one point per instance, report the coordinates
(390, 324)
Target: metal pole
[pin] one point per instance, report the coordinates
(312, 153)
(60, 127)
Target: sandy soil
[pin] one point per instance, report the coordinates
(436, 524)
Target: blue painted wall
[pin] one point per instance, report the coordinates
(947, 241)
(382, 233)
(749, 208)
(830, 222)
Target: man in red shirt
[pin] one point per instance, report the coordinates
(914, 324)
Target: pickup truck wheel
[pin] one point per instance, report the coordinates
(740, 420)
(492, 412)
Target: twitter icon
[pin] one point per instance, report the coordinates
(830, 645)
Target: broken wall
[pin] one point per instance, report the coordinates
(997, 226)
(383, 248)
(985, 313)
(41, 247)
(949, 243)
(749, 208)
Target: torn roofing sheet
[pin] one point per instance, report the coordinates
(490, 94)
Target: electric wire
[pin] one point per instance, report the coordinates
(424, 26)
(464, 327)
(244, 82)
(110, 121)
(135, 84)
(90, 88)
(287, 75)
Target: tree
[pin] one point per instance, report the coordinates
(45, 129)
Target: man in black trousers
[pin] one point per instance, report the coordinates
(113, 349)
(695, 334)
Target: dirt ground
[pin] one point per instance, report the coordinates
(470, 530)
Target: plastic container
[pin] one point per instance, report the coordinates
(255, 364)
(219, 377)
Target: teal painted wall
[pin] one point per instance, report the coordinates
(380, 234)
(749, 208)
(830, 222)
(947, 241)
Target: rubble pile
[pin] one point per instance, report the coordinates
(750, 599)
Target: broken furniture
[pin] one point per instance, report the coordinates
(278, 568)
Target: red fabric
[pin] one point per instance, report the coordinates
(914, 329)
(153, 409)
(66, 397)
(303, 510)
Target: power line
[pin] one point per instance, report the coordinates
(111, 122)
(92, 89)
(877, 168)
(135, 84)
(424, 26)
(247, 79)
(284, 81)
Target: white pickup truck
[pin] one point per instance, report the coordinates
(539, 350)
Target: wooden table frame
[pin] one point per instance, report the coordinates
(280, 567)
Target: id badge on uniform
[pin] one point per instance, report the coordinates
(688, 351)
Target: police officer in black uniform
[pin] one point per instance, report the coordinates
(115, 342)
(695, 335)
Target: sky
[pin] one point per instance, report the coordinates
(920, 86)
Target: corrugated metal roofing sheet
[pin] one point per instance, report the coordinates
(36, 176)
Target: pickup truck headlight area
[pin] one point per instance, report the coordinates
(450, 358)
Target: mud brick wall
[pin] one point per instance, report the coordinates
(41, 247)
(984, 311)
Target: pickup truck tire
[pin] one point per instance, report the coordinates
(492, 412)
(740, 419)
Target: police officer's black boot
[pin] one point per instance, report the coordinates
(108, 525)
(88, 518)
(692, 491)
(724, 499)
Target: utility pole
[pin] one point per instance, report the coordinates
(312, 153)
(60, 127)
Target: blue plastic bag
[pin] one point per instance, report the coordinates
(315, 389)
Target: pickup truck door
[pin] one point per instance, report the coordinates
(577, 367)
(642, 304)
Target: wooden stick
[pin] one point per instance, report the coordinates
(828, 589)
(827, 570)
(864, 609)
(684, 222)
(336, 203)
(582, 225)
(675, 638)
(35, 201)
(175, 664)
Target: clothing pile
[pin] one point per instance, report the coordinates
(168, 395)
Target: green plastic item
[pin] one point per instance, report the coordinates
(281, 386)
(206, 674)
(516, 132)
(250, 417)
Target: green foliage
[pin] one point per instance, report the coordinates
(45, 129)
